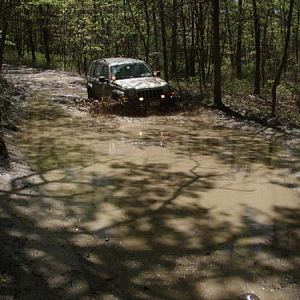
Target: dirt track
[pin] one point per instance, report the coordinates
(167, 207)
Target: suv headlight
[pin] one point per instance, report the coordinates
(166, 89)
(130, 93)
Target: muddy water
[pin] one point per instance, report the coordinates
(151, 208)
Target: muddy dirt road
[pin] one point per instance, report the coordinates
(167, 207)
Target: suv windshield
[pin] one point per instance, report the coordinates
(132, 70)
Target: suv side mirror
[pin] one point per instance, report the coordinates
(102, 79)
(156, 74)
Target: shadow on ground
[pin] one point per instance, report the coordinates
(157, 247)
(141, 231)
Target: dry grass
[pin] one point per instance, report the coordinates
(288, 108)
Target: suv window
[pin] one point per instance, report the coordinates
(130, 70)
(91, 69)
(97, 71)
(104, 71)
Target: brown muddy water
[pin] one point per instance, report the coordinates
(166, 207)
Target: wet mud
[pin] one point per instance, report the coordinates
(162, 207)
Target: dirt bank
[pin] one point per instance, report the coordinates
(11, 101)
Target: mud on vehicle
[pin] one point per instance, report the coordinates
(130, 81)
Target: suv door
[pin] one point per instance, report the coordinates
(90, 75)
(97, 85)
(105, 85)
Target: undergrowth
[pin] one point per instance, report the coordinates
(238, 95)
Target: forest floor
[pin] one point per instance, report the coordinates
(239, 97)
(186, 205)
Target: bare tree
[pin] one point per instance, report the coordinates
(164, 38)
(257, 47)
(284, 58)
(217, 54)
(238, 56)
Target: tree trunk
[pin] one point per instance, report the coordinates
(2, 42)
(257, 48)
(229, 37)
(199, 46)
(147, 19)
(297, 45)
(44, 11)
(202, 50)
(216, 54)
(138, 29)
(156, 39)
(31, 41)
(238, 57)
(3, 152)
(192, 71)
(184, 40)
(46, 46)
(174, 45)
(283, 60)
(264, 49)
(164, 39)
(19, 39)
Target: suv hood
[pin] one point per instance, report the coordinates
(141, 83)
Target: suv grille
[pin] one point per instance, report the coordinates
(150, 94)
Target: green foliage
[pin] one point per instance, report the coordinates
(236, 85)
(283, 89)
(248, 70)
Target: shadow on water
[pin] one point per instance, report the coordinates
(92, 222)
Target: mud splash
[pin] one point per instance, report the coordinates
(148, 208)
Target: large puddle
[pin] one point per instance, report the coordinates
(153, 208)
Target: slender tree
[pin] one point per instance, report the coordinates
(192, 56)
(257, 47)
(216, 53)
(156, 38)
(238, 56)
(230, 39)
(265, 47)
(284, 58)
(174, 45)
(164, 38)
(297, 44)
(2, 41)
(184, 41)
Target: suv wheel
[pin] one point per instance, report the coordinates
(89, 92)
